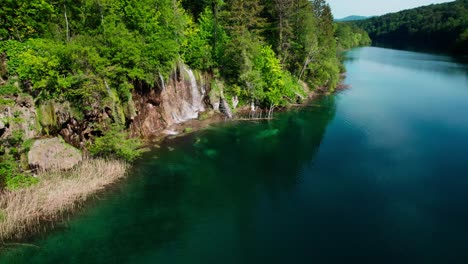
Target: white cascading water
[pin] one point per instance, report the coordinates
(189, 100)
(197, 95)
(163, 85)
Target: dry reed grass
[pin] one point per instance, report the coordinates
(23, 212)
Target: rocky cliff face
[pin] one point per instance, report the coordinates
(19, 115)
(178, 99)
(150, 111)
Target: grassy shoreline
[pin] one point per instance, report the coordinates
(23, 212)
(26, 212)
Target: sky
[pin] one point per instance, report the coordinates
(344, 8)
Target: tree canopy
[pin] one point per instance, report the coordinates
(74, 49)
(442, 27)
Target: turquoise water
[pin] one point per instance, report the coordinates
(375, 174)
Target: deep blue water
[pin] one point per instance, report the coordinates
(375, 174)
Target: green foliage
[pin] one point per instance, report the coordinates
(116, 143)
(6, 101)
(96, 46)
(188, 130)
(16, 138)
(279, 87)
(93, 54)
(350, 36)
(198, 52)
(39, 64)
(19, 181)
(8, 89)
(21, 19)
(10, 177)
(439, 27)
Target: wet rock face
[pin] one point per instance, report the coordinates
(58, 119)
(21, 116)
(52, 154)
(182, 99)
(225, 109)
(2, 128)
(179, 99)
(149, 120)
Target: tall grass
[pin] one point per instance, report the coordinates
(23, 212)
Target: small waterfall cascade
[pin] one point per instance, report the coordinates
(197, 95)
(163, 84)
(224, 107)
(183, 97)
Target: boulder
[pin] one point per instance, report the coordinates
(53, 154)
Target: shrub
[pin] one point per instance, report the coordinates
(116, 143)
(10, 176)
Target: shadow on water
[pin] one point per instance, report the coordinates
(376, 174)
(223, 172)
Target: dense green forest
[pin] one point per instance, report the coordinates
(71, 60)
(351, 18)
(441, 27)
(349, 36)
(72, 49)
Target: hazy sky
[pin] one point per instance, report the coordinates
(343, 8)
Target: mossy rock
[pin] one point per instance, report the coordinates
(53, 154)
(188, 130)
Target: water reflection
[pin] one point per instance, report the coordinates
(227, 171)
(410, 60)
(374, 174)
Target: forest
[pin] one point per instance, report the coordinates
(349, 36)
(68, 49)
(440, 27)
(77, 61)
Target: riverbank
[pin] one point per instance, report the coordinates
(30, 211)
(26, 212)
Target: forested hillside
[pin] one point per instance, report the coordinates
(442, 27)
(351, 18)
(349, 35)
(96, 71)
(70, 49)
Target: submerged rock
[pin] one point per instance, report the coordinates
(267, 133)
(211, 153)
(52, 154)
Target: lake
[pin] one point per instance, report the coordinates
(375, 174)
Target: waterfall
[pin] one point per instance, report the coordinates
(197, 96)
(224, 107)
(182, 98)
(163, 85)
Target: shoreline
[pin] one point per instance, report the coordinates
(24, 215)
(194, 125)
(27, 212)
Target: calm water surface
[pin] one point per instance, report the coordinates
(376, 174)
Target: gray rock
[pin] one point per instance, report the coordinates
(2, 128)
(225, 109)
(52, 154)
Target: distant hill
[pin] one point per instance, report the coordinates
(351, 18)
(442, 27)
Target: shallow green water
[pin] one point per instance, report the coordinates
(376, 174)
